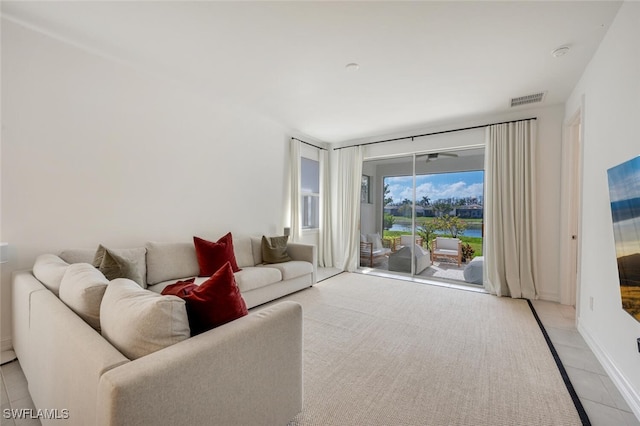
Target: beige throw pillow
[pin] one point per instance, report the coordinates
(82, 289)
(274, 249)
(139, 322)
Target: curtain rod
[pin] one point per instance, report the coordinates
(315, 146)
(436, 133)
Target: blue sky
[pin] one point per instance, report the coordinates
(437, 186)
(624, 180)
(624, 184)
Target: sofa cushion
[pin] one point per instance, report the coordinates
(78, 255)
(170, 261)
(49, 270)
(256, 249)
(215, 302)
(292, 269)
(213, 255)
(135, 258)
(82, 289)
(274, 249)
(138, 321)
(114, 266)
(257, 277)
(243, 251)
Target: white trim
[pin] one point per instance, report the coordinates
(571, 209)
(7, 356)
(422, 152)
(616, 376)
(549, 296)
(6, 344)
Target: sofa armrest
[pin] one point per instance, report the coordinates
(306, 252)
(246, 372)
(23, 285)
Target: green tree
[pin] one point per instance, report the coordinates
(427, 230)
(387, 221)
(453, 225)
(385, 195)
(442, 207)
(405, 210)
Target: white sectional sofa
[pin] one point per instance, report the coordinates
(245, 372)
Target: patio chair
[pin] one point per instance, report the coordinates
(400, 261)
(406, 240)
(372, 249)
(447, 249)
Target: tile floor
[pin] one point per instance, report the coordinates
(15, 395)
(601, 400)
(599, 396)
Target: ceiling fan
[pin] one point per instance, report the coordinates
(435, 155)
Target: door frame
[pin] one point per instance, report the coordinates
(571, 209)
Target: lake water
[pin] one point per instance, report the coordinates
(469, 232)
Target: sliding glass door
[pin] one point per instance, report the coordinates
(424, 217)
(388, 214)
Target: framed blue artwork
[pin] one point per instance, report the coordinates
(624, 194)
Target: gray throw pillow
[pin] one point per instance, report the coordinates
(274, 249)
(114, 266)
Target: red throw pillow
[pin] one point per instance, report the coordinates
(212, 256)
(215, 302)
(180, 288)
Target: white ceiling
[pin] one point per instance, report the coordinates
(421, 63)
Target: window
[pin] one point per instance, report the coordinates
(310, 193)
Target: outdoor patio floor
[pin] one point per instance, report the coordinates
(440, 270)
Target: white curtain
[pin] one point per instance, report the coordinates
(510, 239)
(348, 205)
(294, 221)
(325, 245)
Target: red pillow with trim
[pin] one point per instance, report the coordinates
(215, 302)
(212, 256)
(180, 288)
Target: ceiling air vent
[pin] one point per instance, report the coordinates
(529, 99)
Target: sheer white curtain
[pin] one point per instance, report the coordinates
(294, 221)
(510, 239)
(325, 245)
(348, 205)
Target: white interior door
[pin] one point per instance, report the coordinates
(571, 200)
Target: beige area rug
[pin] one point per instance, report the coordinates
(379, 351)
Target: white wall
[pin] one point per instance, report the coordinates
(548, 168)
(611, 89)
(94, 151)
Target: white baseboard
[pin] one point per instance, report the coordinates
(549, 297)
(6, 344)
(7, 356)
(623, 385)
